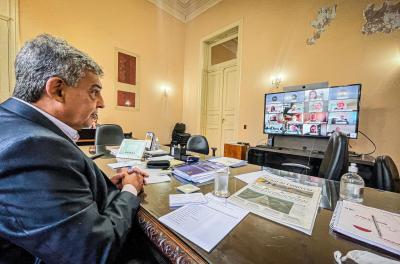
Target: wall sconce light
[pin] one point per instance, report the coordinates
(276, 81)
(165, 89)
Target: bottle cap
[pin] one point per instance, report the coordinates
(353, 168)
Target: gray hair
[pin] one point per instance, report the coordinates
(44, 57)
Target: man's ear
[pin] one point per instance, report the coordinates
(55, 89)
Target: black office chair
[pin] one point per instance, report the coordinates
(179, 137)
(335, 161)
(107, 135)
(386, 175)
(336, 157)
(199, 144)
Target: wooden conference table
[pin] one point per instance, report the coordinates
(255, 239)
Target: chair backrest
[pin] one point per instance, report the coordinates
(109, 134)
(178, 134)
(336, 158)
(386, 175)
(198, 144)
(179, 128)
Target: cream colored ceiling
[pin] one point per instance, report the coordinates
(185, 10)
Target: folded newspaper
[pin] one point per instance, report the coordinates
(281, 200)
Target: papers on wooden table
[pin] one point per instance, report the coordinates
(205, 224)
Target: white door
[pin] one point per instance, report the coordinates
(229, 106)
(221, 107)
(4, 64)
(214, 108)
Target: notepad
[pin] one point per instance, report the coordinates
(370, 225)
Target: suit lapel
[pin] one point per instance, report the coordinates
(32, 114)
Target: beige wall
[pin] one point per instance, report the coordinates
(97, 27)
(274, 39)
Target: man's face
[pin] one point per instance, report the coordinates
(82, 102)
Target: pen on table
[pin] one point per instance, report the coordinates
(376, 225)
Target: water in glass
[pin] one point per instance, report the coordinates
(221, 182)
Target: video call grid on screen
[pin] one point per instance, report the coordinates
(316, 112)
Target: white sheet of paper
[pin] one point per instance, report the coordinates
(204, 224)
(156, 176)
(184, 199)
(251, 177)
(123, 164)
(157, 152)
(165, 157)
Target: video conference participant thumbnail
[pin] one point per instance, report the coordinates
(343, 105)
(318, 94)
(314, 129)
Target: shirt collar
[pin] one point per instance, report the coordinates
(69, 131)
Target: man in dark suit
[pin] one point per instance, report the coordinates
(56, 206)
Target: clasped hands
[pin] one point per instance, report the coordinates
(134, 176)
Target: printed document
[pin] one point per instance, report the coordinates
(370, 225)
(281, 200)
(125, 163)
(176, 200)
(204, 224)
(157, 175)
(229, 162)
(251, 177)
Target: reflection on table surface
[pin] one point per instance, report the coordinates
(258, 240)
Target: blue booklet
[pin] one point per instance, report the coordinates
(199, 172)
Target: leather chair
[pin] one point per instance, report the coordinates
(336, 157)
(107, 135)
(199, 144)
(386, 175)
(178, 135)
(335, 161)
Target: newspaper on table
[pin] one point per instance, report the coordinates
(281, 200)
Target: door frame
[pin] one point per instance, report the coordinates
(9, 12)
(213, 39)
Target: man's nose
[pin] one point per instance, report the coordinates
(100, 102)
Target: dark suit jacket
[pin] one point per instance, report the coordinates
(55, 203)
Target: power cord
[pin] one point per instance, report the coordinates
(370, 141)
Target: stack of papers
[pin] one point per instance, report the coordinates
(163, 157)
(157, 176)
(204, 224)
(281, 200)
(370, 225)
(176, 200)
(125, 163)
(251, 177)
(229, 162)
(199, 172)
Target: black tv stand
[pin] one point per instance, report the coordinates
(273, 157)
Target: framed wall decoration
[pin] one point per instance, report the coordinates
(126, 80)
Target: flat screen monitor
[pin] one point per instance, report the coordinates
(313, 113)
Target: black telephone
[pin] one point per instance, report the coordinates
(158, 164)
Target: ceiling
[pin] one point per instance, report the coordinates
(185, 10)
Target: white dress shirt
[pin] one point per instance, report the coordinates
(73, 135)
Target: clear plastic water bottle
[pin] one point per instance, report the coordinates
(352, 185)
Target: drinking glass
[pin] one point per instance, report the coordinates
(221, 182)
